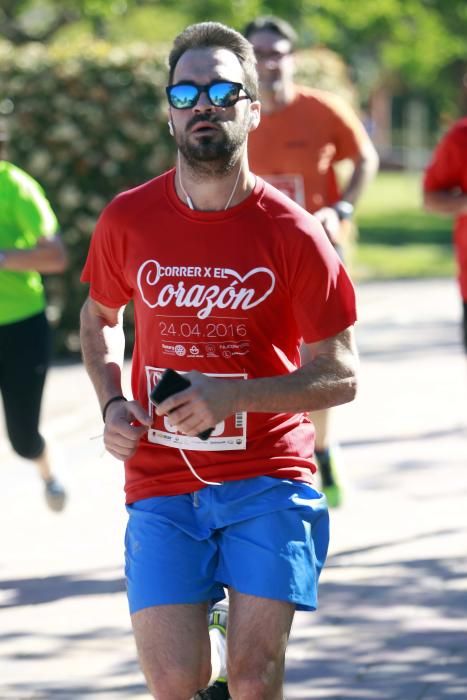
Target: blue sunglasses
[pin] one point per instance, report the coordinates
(221, 93)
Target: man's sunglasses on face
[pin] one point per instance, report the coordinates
(221, 93)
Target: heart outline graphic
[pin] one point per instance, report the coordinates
(237, 278)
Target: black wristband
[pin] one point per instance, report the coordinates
(107, 404)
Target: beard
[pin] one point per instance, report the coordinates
(215, 153)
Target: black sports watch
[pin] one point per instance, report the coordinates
(343, 209)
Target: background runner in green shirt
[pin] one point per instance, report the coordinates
(29, 247)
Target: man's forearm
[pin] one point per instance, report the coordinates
(317, 385)
(364, 171)
(449, 202)
(103, 350)
(48, 257)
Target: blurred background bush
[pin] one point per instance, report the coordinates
(86, 125)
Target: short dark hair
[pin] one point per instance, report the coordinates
(217, 35)
(273, 24)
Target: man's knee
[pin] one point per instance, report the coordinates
(177, 682)
(27, 446)
(255, 679)
(253, 688)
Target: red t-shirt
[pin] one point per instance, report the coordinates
(229, 293)
(448, 171)
(448, 167)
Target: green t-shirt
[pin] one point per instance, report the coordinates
(25, 216)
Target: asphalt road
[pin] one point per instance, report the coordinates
(392, 622)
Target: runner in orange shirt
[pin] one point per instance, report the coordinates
(303, 133)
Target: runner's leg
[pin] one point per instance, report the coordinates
(25, 359)
(173, 649)
(257, 637)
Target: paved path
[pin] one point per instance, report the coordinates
(393, 618)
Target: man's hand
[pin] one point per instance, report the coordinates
(329, 220)
(204, 404)
(121, 437)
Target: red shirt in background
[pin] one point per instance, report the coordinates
(448, 171)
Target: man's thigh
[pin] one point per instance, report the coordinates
(173, 645)
(257, 636)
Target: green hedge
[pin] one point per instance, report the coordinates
(86, 126)
(92, 122)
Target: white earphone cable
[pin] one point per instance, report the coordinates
(187, 196)
(193, 471)
(191, 205)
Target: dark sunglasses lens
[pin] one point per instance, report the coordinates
(223, 94)
(183, 96)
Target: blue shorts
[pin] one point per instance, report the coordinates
(263, 536)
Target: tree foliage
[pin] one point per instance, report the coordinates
(419, 43)
(22, 21)
(86, 125)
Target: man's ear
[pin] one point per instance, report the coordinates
(255, 116)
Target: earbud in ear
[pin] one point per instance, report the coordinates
(252, 121)
(171, 129)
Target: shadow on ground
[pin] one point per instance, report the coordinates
(37, 591)
(422, 653)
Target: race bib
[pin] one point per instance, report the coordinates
(291, 185)
(230, 434)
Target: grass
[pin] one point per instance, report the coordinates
(396, 238)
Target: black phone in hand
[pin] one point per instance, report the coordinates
(171, 382)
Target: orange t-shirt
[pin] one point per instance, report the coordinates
(295, 148)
